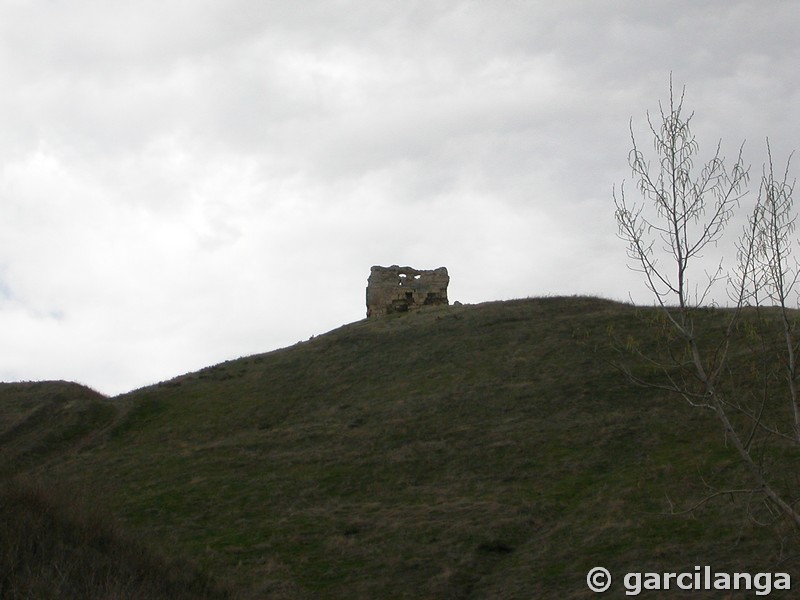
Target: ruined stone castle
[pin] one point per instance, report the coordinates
(401, 289)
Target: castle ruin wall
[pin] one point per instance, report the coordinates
(402, 289)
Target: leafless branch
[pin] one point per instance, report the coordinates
(684, 211)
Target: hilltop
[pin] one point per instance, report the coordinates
(486, 451)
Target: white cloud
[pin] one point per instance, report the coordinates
(185, 182)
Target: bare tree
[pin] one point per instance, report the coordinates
(684, 211)
(775, 270)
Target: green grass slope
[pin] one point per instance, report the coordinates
(52, 547)
(487, 451)
(42, 419)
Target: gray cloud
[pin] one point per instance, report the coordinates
(185, 182)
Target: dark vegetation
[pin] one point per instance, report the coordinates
(51, 546)
(489, 451)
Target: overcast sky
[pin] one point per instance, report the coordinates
(188, 181)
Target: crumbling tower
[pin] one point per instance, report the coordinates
(402, 289)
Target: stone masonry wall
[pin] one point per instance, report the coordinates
(402, 289)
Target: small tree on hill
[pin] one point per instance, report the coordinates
(684, 212)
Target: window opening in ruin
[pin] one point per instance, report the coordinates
(409, 295)
(432, 298)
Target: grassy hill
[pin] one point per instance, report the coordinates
(488, 451)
